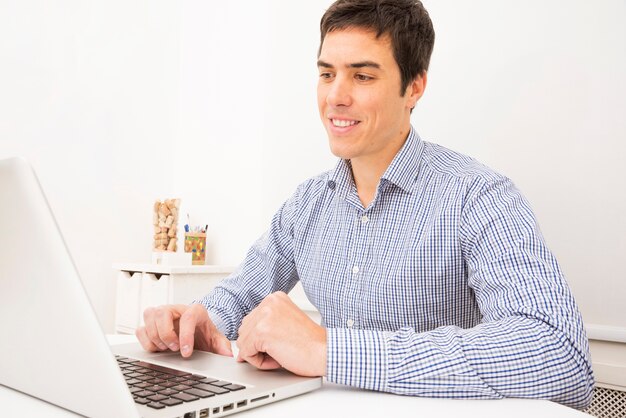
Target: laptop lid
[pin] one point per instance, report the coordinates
(52, 346)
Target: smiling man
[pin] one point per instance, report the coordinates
(428, 268)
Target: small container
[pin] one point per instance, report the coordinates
(195, 243)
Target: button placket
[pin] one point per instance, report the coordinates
(352, 313)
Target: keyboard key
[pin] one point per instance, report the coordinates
(220, 383)
(142, 401)
(189, 382)
(213, 389)
(157, 397)
(185, 397)
(156, 405)
(199, 393)
(156, 381)
(135, 390)
(234, 387)
(207, 380)
(144, 393)
(131, 382)
(151, 373)
(168, 392)
(162, 369)
(168, 384)
(197, 377)
(180, 388)
(171, 402)
(142, 385)
(154, 388)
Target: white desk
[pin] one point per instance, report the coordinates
(337, 401)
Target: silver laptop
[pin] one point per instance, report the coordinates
(53, 348)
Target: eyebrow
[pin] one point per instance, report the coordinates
(360, 64)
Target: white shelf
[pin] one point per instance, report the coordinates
(173, 269)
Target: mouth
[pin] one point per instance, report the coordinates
(343, 123)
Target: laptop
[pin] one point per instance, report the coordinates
(53, 347)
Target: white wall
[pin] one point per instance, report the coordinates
(536, 90)
(89, 94)
(119, 103)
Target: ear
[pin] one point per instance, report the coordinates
(415, 89)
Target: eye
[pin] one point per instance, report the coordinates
(326, 76)
(363, 77)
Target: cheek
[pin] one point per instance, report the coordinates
(321, 96)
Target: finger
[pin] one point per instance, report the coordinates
(187, 329)
(164, 322)
(220, 344)
(144, 340)
(269, 363)
(248, 350)
(263, 361)
(151, 329)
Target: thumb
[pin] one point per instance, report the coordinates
(220, 344)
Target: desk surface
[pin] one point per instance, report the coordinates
(338, 401)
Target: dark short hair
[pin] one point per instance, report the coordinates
(405, 21)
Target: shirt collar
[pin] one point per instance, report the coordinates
(405, 165)
(402, 171)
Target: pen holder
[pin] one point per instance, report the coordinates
(195, 243)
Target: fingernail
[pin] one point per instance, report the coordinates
(186, 349)
(162, 346)
(174, 347)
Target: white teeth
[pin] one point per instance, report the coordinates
(343, 123)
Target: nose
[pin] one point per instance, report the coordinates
(339, 93)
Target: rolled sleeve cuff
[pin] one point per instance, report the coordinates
(357, 358)
(217, 320)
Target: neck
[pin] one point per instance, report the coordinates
(368, 169)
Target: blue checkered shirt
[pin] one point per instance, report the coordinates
(443, 286)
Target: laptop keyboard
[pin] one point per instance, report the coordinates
(159, 387)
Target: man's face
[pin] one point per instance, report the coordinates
(358, 95)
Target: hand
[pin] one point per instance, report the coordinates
(278, 334)
(181, 327)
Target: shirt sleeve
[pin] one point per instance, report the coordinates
(268, 268)
(531, 342)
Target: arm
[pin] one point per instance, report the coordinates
(208, 324)
(531, 342)
(268, 267)
(252, 306)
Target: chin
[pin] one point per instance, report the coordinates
(338, 150)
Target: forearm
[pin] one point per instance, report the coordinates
(231, 300)
(517, 357)
(267, 268)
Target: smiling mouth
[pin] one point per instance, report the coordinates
(342, 123)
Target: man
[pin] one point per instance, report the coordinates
(428, 268)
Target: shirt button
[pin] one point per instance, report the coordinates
(350, 323)
(364, 219)
(355, 269)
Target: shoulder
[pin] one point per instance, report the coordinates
(465, 177)
(313, 188)
(443, 162)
